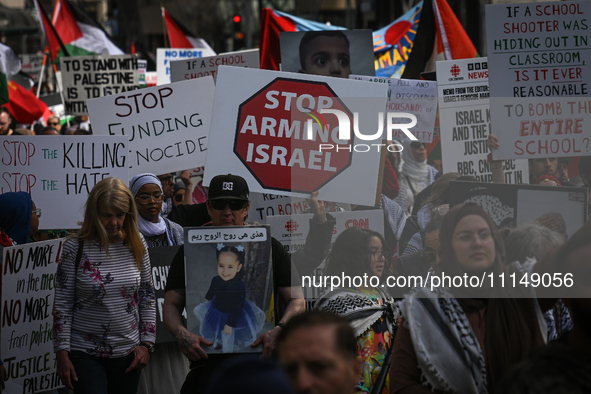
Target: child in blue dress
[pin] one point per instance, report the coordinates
(227, 318)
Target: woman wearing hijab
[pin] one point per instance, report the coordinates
(19, 218)
(157, 231)
(168, 367)
(462, 339)
(360, 253)
(416, 174)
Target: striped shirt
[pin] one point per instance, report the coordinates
(107, 306)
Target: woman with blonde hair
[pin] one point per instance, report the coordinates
(104, 316)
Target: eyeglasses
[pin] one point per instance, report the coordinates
(37, 212)
(166, 179)
(235, 205)
(466, 237)
(53, 123)
(377, 255)
(179, 197)
(429, 255)
(146, 198)
(417, 145)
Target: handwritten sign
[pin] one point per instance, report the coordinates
(164, 56)
(59, 171)
(539, 66)
(28, 279)
(87, 77)
(167, 126)
(182, 70)
(412, 96)
(464, 117)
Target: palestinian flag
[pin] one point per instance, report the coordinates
(10, 65)
(181, 37)
(80, 34)
(440, 36)
(54, 43)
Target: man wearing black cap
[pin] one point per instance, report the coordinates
(227, 205)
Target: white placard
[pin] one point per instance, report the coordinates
(413, 96)
(262, 134)
(464, 121)
(182, 70)
(87, 77)
(167, 126)
(540, 65)
(32, 65)
(28, 278)
(59, 172)
(166, 55)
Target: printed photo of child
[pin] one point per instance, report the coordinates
(227, 317)
(331, 53)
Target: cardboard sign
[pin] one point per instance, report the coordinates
(229, 284)
(167, 126)
(263, 129)
(160, 260)
(564, 208)
(182, 70)
(32, 65)
(59, 172)
(87, 77)
(166, 55)
(464, 118)
(28, 281)
(417, 97)
(539, 66)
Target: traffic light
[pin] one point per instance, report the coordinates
(238, 34)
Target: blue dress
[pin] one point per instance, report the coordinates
(227, 305)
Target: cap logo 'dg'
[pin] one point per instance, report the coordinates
(227, 185)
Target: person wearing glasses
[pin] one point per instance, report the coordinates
(357, 254)
(167, 181)
(227, 205)
(157, 231)
(54, 121)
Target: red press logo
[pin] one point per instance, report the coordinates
(455, 70)
(292, 226)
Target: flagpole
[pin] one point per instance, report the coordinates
(41, 76)
(59, 89)
(166, 44)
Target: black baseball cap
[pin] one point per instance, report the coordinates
(228, 187)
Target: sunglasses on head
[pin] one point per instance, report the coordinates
(235, 205)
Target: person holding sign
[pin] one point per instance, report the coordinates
(227, 205)
(104, 316)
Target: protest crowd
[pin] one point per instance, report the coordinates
(220, 232)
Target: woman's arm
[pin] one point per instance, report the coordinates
(147, 305)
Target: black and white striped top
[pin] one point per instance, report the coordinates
(107, 306)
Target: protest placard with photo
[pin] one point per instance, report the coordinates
(166, 55)
(563, 209)
(229, 285)
(28, 281)
(160, 260)
(166, 126)
(59, 171)
(182, 70)
(465, 122)
(417, 97)
(539, 64)
(263, 128)
(314, 52)
(87, 77)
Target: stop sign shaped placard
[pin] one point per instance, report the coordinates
(272, 135)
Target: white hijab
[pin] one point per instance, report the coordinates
(146, 227)
(412, 168)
